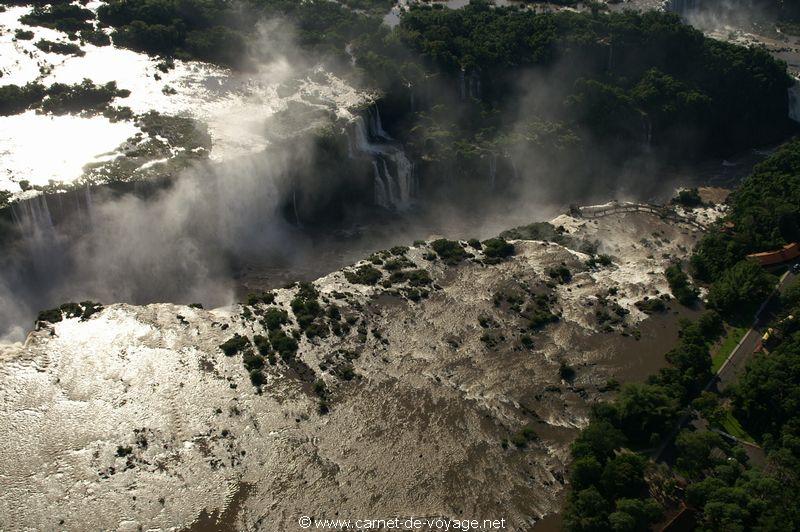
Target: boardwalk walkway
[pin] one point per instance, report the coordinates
(615, 207)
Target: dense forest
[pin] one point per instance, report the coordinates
(577, 92)
(725, 489)
(631, 78)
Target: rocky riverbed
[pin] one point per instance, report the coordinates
(415, 382)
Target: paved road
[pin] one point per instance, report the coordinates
(737, 360)
(743, 352)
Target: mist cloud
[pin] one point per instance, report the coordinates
(178, 244)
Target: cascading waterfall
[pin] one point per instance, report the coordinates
(794, 101)
(35, 222)
(469, 85)
(376, 123)
(514, 170)
(89, 205)
(294, 207)
(474, 85)
(647, 131)
(492, 171)
(381, 192)
(680, 6)
(395, 184)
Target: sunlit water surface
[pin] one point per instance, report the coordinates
(39, 149)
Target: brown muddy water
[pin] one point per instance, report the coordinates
(225, 520)
(634, 360)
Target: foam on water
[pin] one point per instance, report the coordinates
(234, 106)
(40, 148)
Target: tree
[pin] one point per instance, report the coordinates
(635, 514)
(740, 288)
(695, 451)
(680, 286)
(708, 405)
(622, 521)
(768, 393)
(645, 411)
(586, 472)
(15, 99)
(587, 511)
(598, 440)
(623, 476)
(498, 248)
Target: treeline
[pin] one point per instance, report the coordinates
(227, 33)
(217, 31)
(627, 78)
(59, 98)
(74, 20)
(724, 490)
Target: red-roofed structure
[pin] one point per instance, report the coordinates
(771, 258)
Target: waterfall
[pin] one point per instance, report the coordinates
(647, 131)
(376, 123)
(394, 176)
(794, 101)
(514, 170)
(35, 223)
(492, 171)
(294, 206)
(680, 6)
(349, 50)
(475, 85)
(89, 205)
(350, 150)
(462, 79)
(381, 194)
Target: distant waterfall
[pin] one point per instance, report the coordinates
(35, 223)
(376, 125)
(492, 171)
(89, 205)
(680, 6)
(514, 169)
(394, 177)
(794, 101)
(469, 85)
(647, 131)
(474, 85)
(294, 207)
